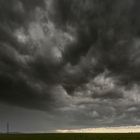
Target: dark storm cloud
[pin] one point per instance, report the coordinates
(17, 86)
(71, 56)
(105, 29)
(15, 14)
(18, 11)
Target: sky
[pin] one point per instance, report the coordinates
(69, 64)
(123, 129)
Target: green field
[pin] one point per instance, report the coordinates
(130, 136)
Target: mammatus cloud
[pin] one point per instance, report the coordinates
(77, 59)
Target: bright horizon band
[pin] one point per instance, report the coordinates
(128, 129)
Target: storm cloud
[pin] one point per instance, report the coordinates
(76, 59)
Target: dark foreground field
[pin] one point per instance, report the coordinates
(130, 136)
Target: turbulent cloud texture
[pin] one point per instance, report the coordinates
(77, 59)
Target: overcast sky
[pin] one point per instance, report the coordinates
(69, 64)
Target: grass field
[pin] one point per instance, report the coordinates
(130, 136)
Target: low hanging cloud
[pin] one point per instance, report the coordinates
(72, 58)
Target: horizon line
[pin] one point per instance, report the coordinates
(119, 129)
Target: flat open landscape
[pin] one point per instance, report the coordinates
(70, 136)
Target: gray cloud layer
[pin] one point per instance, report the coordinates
(74, 57)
